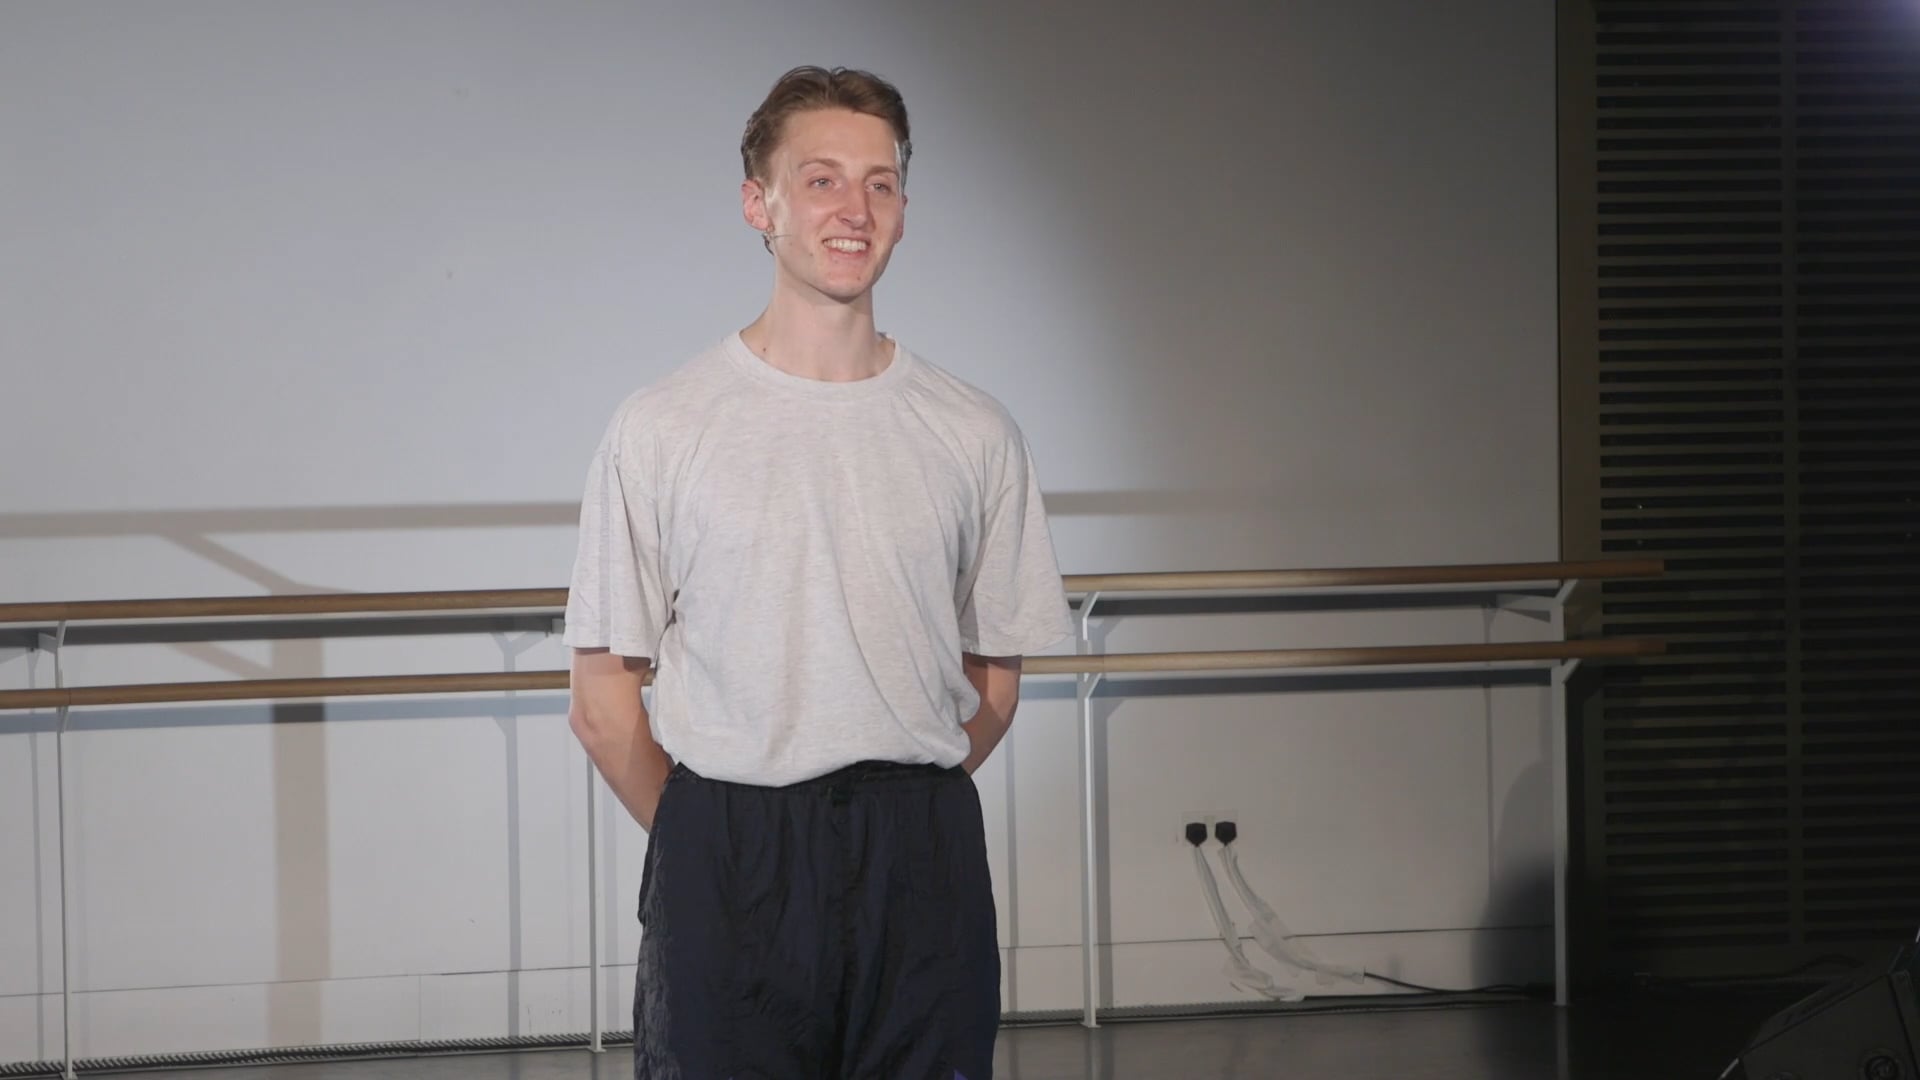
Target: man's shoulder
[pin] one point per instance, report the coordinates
(692, 380)
(966, 402)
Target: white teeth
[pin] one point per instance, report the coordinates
(852, 247)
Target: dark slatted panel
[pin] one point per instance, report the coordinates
(1857, 265)
(1758, 195)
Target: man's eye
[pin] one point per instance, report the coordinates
(818, 180)
(884, 188)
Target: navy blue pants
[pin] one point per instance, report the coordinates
(837, 929)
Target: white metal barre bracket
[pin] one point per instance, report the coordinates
(511, 648)
(1089, 852)
(55, 643)
(1553, 609)
(557, 628)
(1562, 991)
(1558, 753)
(1539, 607)
(593, 904)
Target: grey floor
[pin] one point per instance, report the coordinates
(1640, 1040)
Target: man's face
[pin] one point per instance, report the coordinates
(833, 201)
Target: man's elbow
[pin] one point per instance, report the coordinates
(595, 724)
(585, 724)
(605, 702)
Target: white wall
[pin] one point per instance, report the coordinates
(338, 297)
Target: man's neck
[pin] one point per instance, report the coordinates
(823, 340)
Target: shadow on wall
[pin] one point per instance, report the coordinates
(191, 527)
(1520, 908)
(1521, 898)
(303, 886)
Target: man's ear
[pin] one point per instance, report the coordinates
(753, 205)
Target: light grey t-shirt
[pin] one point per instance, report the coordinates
(805, 561)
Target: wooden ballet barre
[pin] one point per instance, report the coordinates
(1078, 584)
(1357, 656)
(1108, 663)
(1379, 576)
(219, 607)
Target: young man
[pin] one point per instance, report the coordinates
(834, 555)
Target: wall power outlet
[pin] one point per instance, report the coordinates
(1205, 817)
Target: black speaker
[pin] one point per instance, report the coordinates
(1863, 1026)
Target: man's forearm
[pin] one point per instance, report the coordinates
(609, 718)
(634, 767)
(998, 681)
(985, 732)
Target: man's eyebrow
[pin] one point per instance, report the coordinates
(833, 164)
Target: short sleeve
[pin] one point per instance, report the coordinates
(1011, 599)
(619, 598)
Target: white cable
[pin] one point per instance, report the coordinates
(1240, 971)
(1272, 935)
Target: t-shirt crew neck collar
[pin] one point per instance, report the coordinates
(759, 370)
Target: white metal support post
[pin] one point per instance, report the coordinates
(54, 644)
(510, 650)
(593, 890)
(1562, 992)
(556, 629)
(593, 908)
(1089, 848)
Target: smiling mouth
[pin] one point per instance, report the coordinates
(848, 247)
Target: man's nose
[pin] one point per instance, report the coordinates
(857, 207)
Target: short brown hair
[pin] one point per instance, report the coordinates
(806, 88)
